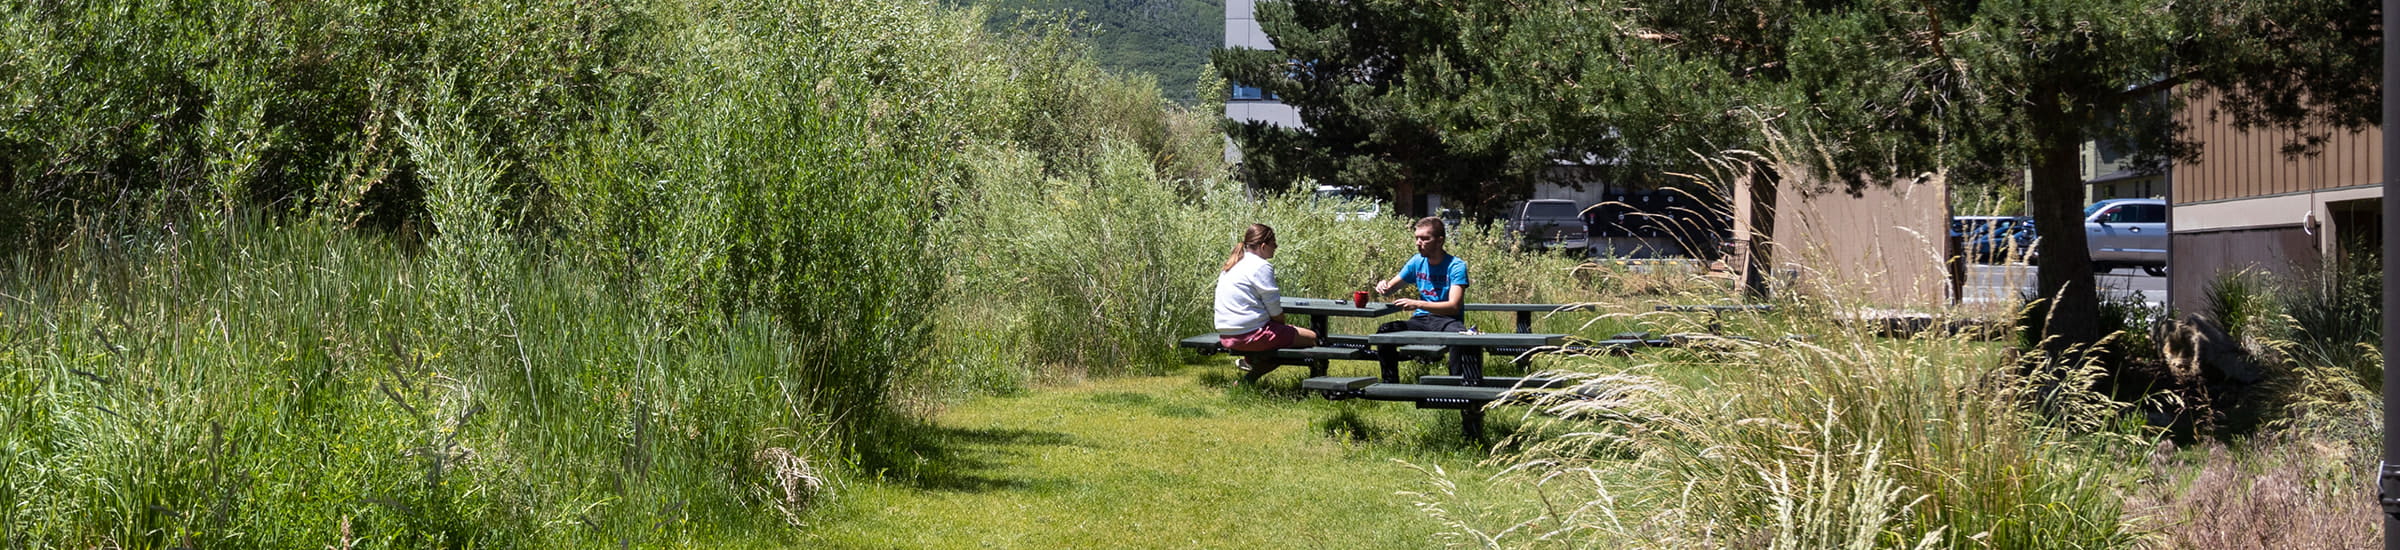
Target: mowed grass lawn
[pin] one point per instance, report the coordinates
(1175, 461)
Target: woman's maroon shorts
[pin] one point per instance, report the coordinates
(1273, 336)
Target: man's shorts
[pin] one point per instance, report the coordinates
(1428, 322)
(1273, 336)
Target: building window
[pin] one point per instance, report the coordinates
(1251, 93)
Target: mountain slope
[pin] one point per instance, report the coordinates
(1169, 39)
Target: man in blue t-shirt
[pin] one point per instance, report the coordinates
(1441, 281)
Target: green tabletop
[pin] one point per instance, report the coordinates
(1480, 339)
(1534, 308)
(1336, 308)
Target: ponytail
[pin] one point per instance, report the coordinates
(1257, 235)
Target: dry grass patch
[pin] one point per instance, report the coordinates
(2282, 494)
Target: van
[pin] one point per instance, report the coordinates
(1549, 223)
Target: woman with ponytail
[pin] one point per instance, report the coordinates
(1249, 317)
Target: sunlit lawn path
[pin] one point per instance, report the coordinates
(1173, 461)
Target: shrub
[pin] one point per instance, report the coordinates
(2241, 302)
(2335, 308)
(1848, 440)
(645, 262)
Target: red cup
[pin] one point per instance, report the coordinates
(1358, 299)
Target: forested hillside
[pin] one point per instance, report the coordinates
(1166, 38)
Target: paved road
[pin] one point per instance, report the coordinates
(2009, 282)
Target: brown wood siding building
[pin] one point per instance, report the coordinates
(2244, 204)
(2234, 164)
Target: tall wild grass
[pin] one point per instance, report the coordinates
(552, 273)
(1848, 437)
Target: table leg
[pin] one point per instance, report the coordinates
(1322, 325)
(1524, 322)
(1466, 362)
(1470, 362)
(1389, 357)
(1472, 419)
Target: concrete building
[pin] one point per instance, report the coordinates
(1248, 103)
(2108, 173)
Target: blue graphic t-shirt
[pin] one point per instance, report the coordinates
(1433, 280)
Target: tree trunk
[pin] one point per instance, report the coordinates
(2056, 202)
(1759, 240)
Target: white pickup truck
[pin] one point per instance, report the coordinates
(2127, 233)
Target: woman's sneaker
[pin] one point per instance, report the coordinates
(1242, 364)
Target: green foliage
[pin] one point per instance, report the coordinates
(1354, 67)
(2240, 301)
(160, 395)
(1846, 440)
(656, 273)
(2328, 340)
(2336, 312)
(1399, 96)
(2000, 198)
(120, 106)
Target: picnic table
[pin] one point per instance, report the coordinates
(1320, 313)
(1525, 311)
(1466, 349)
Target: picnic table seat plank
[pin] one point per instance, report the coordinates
(1480, 340)
(1324, 352)
(1497, 381)
(1338, 383)
(1344, 339)
(1467, 400)
(1206, 343)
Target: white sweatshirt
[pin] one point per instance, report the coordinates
(1246, 295)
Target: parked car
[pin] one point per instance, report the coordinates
(2006, 240)
(1549, 223)
(1971, 227)
(2127, 233)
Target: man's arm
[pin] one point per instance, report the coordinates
(1448, 307)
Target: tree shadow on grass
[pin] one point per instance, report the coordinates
(966, 460)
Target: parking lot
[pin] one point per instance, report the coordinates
(1988, 283)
